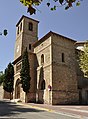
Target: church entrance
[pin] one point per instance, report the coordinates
(17, 89)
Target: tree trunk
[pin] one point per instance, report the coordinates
(26, 97)
(10, 95)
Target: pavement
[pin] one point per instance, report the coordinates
(15, 110)
(76, 110)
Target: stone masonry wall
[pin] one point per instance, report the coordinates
(45, 49)
(18, 46)
(64, 83)
(32, 81)
(29, 37)
(23, 39)
(1, 92)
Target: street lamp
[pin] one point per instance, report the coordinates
(4, 32)
(0, 33)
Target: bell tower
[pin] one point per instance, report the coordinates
(26, 35)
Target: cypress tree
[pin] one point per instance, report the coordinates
(9, 79)
(25, 73)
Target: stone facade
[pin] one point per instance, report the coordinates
(64, 63)
(1, 92)
(44, 69)
(26, 35)
(53, 69)
(6, 95)
(60, 75)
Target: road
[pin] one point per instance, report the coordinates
(17, 111)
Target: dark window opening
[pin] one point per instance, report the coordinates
(21, 27)
(42, 59)
(30, 26)
(43, 85)
(18, 30)
(29, 46)
(63, 59)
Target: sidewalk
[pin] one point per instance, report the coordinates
(81, 111)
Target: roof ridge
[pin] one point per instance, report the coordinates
(23, 16)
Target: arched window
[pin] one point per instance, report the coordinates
(30, 26)
(42, 59)
(43, 85)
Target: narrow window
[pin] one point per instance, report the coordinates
(30, 26)
(42, 59)
(29, 46)
(20, 26)
(18, 30)
(63, 59)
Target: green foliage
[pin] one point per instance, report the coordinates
(48, 4)
(31, 4)
(54, 8)
(83, 60)
(78, 3)
(31, 10)
(8, 78)
(61, 1)
(67, 7)
(25, 72)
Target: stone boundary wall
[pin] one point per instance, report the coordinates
(1, 92)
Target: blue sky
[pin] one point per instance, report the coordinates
(72, 23)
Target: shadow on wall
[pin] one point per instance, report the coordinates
(41, 86)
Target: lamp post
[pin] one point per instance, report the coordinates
(4, 32)
(0, 33)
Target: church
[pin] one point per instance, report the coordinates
(54, 69)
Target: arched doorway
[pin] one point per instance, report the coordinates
(17, 89)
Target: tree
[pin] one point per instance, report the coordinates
(25, 73)
(9, 79)
(31, 4)
(83, 59)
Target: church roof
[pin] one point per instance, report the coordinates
(80, 43)
(18, 59)
(48, 35)
(27, 18)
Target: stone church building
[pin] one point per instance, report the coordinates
(54, 69)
